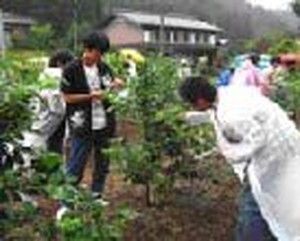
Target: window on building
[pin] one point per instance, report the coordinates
(192, 38)
(168, 36)
(201, 38)
(175, 36)
(205, 38)
(186, 37)
(157, 35)
(197, 37)
(212, 39)
(147, 36)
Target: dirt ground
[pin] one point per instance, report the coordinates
(202, 210)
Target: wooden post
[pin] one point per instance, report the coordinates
(162, 33)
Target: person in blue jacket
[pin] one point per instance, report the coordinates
(225, 77)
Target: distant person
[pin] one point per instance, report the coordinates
(47, 129)
(57, 63)
(184, 68)
(250, 75)
(225, 77)
(273, 72)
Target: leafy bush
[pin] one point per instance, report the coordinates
(17, 84)
(165, 142)
(273, 43)
(285, 45)
(288, 93)
(23, 190)
(41, 37)
(24, 219)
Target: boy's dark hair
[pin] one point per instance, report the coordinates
(275, 60)
(97, 41)
(60, 57)
(194, 88)
(255, 58)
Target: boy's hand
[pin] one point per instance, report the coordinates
(118, 84)
(97, 95)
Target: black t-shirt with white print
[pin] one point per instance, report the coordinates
(79, 115)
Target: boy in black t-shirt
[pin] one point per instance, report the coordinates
(90, 116)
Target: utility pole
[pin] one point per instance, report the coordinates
(165, 9)
(162, 33)
(2, 35)
(75, 25)
(110, 6)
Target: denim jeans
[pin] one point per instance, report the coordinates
(251, 226)
(80, 150)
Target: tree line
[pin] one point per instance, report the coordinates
(239, 19)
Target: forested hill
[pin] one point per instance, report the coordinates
(239, 19)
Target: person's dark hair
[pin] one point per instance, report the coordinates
(126, 65)
(194, 88)
(60, 57)
(97, 41)
(254, 58)
(231, 70)
(275, 60)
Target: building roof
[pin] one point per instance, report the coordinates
(171, 20)
(10, 18)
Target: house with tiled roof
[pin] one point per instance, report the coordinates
(13, 26)
(181, 34)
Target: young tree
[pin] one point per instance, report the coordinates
(41, 37)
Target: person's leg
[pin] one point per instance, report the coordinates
(251, 225)
(66, 149)
(66, 143)
(55, 141)
(101, 164)
(80, 149)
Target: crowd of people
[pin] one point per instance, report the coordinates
(254, 134)
(266, 79)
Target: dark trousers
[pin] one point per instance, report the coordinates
(56, 140)
(80, 150)
(251, 225)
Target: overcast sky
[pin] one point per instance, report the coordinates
(272, 4)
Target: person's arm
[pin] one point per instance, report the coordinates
(240, 140)
(55, 103)
(70, 91)
(76, 98)
(80, 98)
(117, 84)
